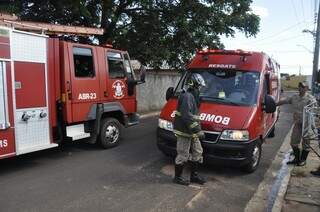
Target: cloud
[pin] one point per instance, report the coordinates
(260, 11)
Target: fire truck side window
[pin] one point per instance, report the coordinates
(83, 62)
(115, 64)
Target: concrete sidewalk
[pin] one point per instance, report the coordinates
(303, 191)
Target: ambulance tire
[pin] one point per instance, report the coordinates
(254, 159)
(110, 133)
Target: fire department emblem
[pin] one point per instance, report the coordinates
(118, 87)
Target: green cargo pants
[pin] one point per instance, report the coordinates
(296, 137)
(188, 149)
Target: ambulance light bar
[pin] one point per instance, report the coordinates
(225, 52)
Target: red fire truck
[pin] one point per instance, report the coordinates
(237, 110)
(52, 90)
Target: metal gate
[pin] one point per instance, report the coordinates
(311, 124)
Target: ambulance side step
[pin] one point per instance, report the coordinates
(76, 132)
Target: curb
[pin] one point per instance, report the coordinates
(148, 115)
(277, 206)
(270, 192)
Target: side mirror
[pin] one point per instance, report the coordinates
(131, 85)
(142, 74)
(169, 93)
(269, 104)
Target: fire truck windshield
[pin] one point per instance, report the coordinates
(226, 86)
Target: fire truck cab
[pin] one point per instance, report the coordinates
(52, 90)
(237, 111)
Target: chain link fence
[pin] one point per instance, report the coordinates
(311, 125)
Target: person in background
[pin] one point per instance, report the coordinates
(298, 102)
(188, 131)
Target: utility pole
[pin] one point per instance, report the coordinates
(316, 53)
(299, 70)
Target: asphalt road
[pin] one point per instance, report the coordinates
(134, 176)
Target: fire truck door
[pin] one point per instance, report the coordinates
(29, 59)
(120, 71)
(84, 81)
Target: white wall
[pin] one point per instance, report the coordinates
(152, 94)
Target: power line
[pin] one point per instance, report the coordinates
(302, 7)
(285, 51)
(311, 9)
(278, 41)
(276, 34)
(295, 11)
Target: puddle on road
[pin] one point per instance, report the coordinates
(277, 184)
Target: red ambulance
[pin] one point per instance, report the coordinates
(52, 90)
(237, 110)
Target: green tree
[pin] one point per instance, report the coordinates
(156, 32)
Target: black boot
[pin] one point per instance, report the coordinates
(178, 168)
(303, 159)
(316, 173)
(194, 177)
(296, 153)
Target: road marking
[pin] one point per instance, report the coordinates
(199, 196)
(259, 200)
(152, 114)
(168, 170)
(196, 186)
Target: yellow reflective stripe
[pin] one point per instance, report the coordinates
(194, 124)
(179, 133)
(195, 136)
(196, 117)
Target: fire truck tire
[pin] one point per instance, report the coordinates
(110, 133)
(254, 159)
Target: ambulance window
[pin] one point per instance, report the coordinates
(4, 122)
(83, 62)
(115, 64)
(267, 84)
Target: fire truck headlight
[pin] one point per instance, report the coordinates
(235, 135)
(164, 124)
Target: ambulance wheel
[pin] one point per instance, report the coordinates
(110, 133)
(255, 157)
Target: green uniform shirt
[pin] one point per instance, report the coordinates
(298, 103)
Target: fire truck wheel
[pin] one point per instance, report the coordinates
(254, 159)
(110, 133)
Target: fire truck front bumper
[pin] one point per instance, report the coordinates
(220, 152)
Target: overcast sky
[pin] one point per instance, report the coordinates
(281, 36)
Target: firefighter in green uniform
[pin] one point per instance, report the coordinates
(298, 102)
(188, 131)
